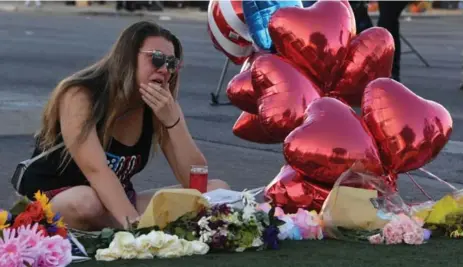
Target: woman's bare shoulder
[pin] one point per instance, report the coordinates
(75, 99)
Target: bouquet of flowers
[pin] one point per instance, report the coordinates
(224, 227)
(126, 245)
(401, 229)
(302, 225)
(32, 235)
(444, 217)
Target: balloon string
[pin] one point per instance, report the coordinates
(438, 179)
(419, 187)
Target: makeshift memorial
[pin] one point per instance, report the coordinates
(181, 222)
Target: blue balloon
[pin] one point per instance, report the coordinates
(257, 15)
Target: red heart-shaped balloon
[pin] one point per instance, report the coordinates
(331, 139)
(248, 127)
(410, 131)
(290, 191)
(283, 94)
(241, 93)
(314, 38)
(370, 57)
(248, 63)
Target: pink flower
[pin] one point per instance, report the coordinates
(392, 233)
(54, 251)
(308, 224)
(315, 232)
(279, 212)
(31, 235)
(13, 251)
(300, 220)
(376, 239)
(265, 207)
(414, 238)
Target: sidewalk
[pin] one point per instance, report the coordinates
(109, 9)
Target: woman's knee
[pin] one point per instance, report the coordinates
(214, 184)
(80, 203)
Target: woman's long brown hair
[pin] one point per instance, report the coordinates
(110, 82)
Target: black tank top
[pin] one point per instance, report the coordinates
(45, 174)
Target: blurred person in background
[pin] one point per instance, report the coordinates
(138, 5)
(37, 3)
(389, 14)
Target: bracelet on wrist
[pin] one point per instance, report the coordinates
(173, 125)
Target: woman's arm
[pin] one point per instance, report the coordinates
(90, 157)
(181, 151)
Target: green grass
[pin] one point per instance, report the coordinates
(326, 253)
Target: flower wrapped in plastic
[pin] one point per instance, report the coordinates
(444, 216)
(363, 207)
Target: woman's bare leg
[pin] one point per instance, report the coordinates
(81, 209)
(144, 197)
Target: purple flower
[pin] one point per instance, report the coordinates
(218, 241)
(52, 229)
(214, 225)
(270, 237)
(57, 217)
(427, 234)
(201, 213)
(221, 209)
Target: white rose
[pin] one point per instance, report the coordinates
(199, 248)
(169, 239)
(143, 243)
(157, 239)
(107, 255)
(129, 254)
(146, 255)
(172, 250)
(187, 247)
(123, 241)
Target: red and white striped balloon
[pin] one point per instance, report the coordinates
(228, 30)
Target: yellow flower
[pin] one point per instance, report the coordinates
(60, 223)
(41, 198)
(4, 219)
(49, 214)
(46, 206)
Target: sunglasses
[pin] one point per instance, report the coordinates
(159, 59)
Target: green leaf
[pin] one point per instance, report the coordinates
(278, 222)
(190, 236)
(271, 215)
(180, 232)
(19, 206)
(107, 233)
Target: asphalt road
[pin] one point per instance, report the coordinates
(38, 50)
